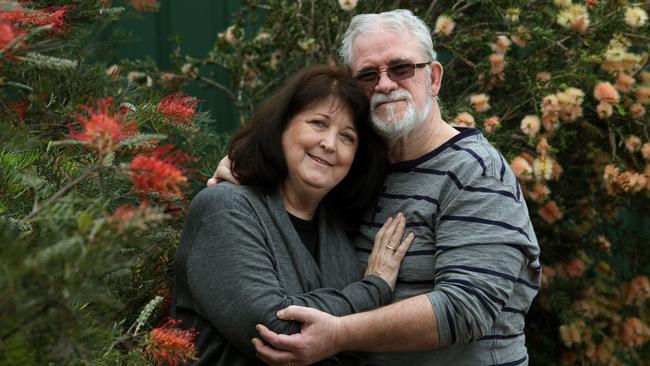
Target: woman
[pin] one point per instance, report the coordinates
(307, 158)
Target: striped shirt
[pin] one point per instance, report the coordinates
(475, 253)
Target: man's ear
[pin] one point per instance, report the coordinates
(436, 78)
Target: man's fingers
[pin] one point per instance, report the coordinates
(297, 313)
(270, 355)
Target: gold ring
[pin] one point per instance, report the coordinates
(389, 247)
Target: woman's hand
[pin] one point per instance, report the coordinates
(223, 173)
(389, 250)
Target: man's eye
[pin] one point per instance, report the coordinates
(401, 69)
(367, 76)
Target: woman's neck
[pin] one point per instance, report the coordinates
(299, 203)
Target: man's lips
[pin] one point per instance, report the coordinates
(389, 101)
(320, 160)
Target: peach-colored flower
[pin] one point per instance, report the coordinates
(530, 125)
(570, 104)
(645, 77)
(645, 151)
(548, 273)
(229, 35)
(521, 36)
(604, 110)
(637, 182)
(574, 17)
(632, 144)
(143, 6)
(637, 111)
(543, 76)
(550, 212)
(348, 5)
(635, 17)
(521, 168)
(611, 173)
(464, 119)
(501, 45)
(491, 124)
(603, 243)
(557, 171)
(635, 332)
(643, 94)
(637, 290)
(539, 193)
(604, 91)
(444, 25)
(571, 334)
(617, 59)
(543, 146)
(591, 3)
(497, 63)
(574, 268)
(624, 82)
(480, 102)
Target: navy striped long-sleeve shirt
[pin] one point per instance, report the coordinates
(475, 253)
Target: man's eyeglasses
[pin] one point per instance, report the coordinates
(368, 79)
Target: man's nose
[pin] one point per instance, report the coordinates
(385, 84)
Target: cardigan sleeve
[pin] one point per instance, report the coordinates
(232, 274)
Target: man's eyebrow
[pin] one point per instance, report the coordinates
(392, 62)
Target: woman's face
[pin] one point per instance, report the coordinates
(319, 144)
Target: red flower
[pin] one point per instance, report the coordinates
(53, 16)
(169, 345)
(17, 108)
(102, 130)
(180, 108)
(145, 5)
(8, 34)
(161, 172)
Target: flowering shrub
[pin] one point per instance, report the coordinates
(95, 170)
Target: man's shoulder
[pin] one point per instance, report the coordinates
(474, 156)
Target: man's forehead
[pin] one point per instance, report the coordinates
(383, 47)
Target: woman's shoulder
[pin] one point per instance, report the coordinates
(226, 196)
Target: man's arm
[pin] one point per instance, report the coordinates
(408, 325)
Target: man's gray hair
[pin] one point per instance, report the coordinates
(396, 20)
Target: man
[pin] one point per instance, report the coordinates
(472, 272)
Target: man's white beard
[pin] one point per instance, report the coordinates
(389, 126)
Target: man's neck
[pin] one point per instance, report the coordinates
(423, 139)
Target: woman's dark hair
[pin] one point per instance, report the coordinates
(256, 149)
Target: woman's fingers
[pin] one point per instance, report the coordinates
(397, 232)
(404, 246)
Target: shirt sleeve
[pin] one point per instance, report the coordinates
(484, 241)
(232, 274)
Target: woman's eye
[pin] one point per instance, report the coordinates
(317, 124)
(348, 137)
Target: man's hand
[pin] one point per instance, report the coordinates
(318, 339)
(223, 173)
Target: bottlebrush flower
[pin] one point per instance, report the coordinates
(635, 17)
(521, 168)
(53, 16)
(143, 6)
(645, 151)
(604, 110)
(169, 345)
(637, 110)
(141, 217)
(501, 45)
(643, 94)
(632, 144)
(543, 168)
(348, 5)
(497, 63)
(530, 125)
(480, 102)
(102, 130)
(637, 290)
(161, 172)
(604, 91)
(8, 35)
(576, 267)
(575, 18)
(491, 124)
(179, 108)
(464, 119)
(635, 332)
(543, 146)
(539, 193)
(624, 82)
(444, 25)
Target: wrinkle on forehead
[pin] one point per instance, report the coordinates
(378, 34)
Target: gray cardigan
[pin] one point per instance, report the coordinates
(240, 260)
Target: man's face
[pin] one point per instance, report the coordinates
(396, 106)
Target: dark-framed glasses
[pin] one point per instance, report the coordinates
(369, 78)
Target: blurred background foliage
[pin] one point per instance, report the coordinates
(92, 198)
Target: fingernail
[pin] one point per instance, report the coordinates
(279, 313)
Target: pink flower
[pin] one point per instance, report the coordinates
(643, 94)
(637, 111)
(637, 290)
(497, 63)
(645, 151)
(521, 168)
(530, 125)
(464, 119)
(539, 193)
(633, 144)
(491, 124)
(604, 110)
(574, 17)
(143, 6)
(543, 76)
(624, 82)
(574, 268)
(604, 91)
(501, 45)
(635, 332)
(551, 213)
(543, 146)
